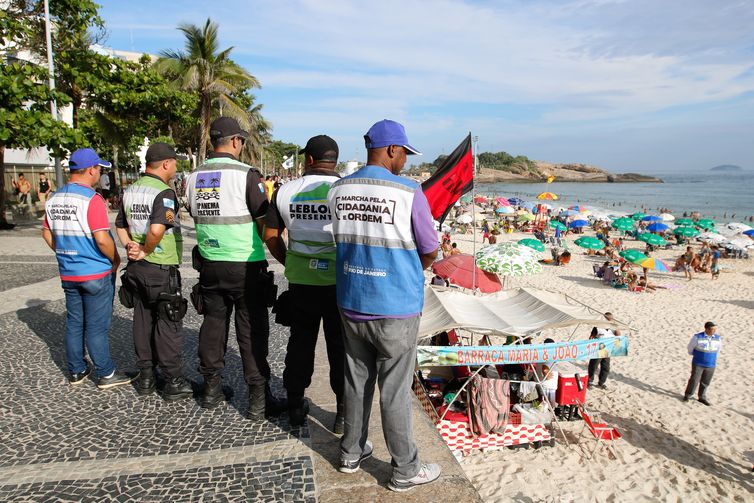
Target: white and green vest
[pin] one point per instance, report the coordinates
(311, 246)
(225, 230)
(138, 201)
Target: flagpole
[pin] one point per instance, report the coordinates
(473, 214)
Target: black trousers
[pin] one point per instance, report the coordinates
(157, 340)
(604, 365)
(702, 377)
(313, 304)
(227, 287)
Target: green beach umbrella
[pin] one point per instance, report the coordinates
(466, 198)
(525, 217)
(557, 225)
(623, 224)
(590, 243)
(653, 239)
(706, 224)
(508, 259)
(534, 244)
(684, 221)
(638, 215)
(685, 231)
(634, 256)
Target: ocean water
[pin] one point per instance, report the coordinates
(725, 197)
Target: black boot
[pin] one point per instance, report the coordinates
(298, 408)
(256, 402)
(212, 395)
(274, 406)
(340, 422)
(177, 388)
(146, 382)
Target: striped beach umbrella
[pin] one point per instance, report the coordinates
(653, 239)
(548, 195)
(656, 264)
(578, 208)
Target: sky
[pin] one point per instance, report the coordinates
(628, 85)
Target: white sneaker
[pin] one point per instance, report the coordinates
(429, 472)
(353, 466)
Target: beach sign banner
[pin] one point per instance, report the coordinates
(605, 347)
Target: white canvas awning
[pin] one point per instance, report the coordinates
(518, 312)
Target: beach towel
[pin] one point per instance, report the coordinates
(489, 405)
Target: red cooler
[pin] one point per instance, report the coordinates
(568, 390)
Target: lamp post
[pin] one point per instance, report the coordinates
(53, 103)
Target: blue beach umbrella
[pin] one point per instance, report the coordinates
(515, 201)
(651, 218)
(657, 227)
(578, 223)
(749, 233)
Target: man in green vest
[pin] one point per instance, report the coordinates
(148, 226)
(301, 207)
(227, 201)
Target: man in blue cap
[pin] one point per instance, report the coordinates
(77, 229)
(385, 238)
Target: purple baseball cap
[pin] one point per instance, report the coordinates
(386, 133)
(86, 158)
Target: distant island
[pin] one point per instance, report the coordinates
(727, 167)
(497, 167)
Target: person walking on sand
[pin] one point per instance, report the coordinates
(381, 250)
(704, 347)
(602, 363)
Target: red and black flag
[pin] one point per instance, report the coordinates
(453, 178)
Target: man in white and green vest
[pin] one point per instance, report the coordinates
(228, 203)
(301, 207)
(148, 226)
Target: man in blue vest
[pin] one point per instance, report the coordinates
(385, 238)
(77, 229)
(704, 348)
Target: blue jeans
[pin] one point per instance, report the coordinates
(90, 313)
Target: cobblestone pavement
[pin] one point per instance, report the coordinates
(77, 443)
(66, 443)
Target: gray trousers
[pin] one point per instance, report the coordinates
(383, 351)
(697, 373)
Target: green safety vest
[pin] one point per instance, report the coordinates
(225, 230)
(138, 201)
(302, 204)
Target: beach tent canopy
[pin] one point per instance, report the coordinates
(518, 312)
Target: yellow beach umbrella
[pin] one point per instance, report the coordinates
(548, 195)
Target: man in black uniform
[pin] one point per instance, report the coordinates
(228, 203)
(148, 226)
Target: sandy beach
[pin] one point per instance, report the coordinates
(672, 451)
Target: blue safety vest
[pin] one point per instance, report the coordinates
(705, 352)
(378, 267)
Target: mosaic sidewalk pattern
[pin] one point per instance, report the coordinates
(289, 479)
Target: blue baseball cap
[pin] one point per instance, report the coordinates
(86, 158)
(386, 133)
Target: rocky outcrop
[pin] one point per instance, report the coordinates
(562, 173)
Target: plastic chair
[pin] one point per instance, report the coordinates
(600, 431)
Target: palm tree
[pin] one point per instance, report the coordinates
(210, 73)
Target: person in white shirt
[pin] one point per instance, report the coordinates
(602, 363)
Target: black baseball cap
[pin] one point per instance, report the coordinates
(224, 127)
(321, 148)
(159, 151)
(709, 324)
